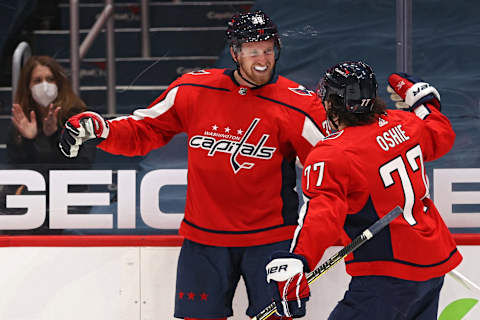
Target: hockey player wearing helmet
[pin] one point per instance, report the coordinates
(245, 128)
(374, 162)
(254, 46)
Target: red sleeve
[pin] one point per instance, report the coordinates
(438, 136)
(325, 183)
(147, 129)
(312, 129)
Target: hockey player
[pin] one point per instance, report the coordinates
(245, 128)
(373, 162)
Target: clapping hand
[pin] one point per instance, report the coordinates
(50, 122)
(27, 127)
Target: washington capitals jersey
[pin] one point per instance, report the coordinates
(356, 176)
(242, 147)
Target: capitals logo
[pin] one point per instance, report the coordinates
(235, 146)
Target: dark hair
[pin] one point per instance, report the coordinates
(69, 102)
(344, 117)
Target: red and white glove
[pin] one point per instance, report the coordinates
(81, 128)
(412, 94)
(289, 287)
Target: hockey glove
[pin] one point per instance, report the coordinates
(81, 128)
(410, 92)
(288, 284)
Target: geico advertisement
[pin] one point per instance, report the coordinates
(451, 192)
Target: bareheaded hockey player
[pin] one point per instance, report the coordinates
(372, 163)
(245, 128)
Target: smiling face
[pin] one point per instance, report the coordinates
(256, 61)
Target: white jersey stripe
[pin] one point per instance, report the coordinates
(310, 132)
(301, 219)
(156, 110)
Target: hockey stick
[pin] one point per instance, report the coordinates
(464, 281)
(366, 235)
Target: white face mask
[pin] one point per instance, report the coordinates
(44, 93)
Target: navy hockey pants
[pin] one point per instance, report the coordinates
(207, 277)
(387, 298)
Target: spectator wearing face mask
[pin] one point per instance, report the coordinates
(43, 101)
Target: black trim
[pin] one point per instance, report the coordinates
(233, 232)
(291, 107)
(380, 246)
(290, 201)
(410, 263)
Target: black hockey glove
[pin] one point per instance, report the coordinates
(81, 128)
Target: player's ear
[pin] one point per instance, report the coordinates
(234, 54)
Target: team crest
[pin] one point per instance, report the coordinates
(238, 146)
(301, 90)
(198, 72)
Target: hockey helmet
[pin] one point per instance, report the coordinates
(251, 27)
(354, 82)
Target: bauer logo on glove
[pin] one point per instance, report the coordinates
(282, 269)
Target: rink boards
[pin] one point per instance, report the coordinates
(133, 277)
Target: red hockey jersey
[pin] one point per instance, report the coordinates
(356, 176)
(242, 145)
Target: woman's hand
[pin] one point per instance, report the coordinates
(25, 126)
(50, 122)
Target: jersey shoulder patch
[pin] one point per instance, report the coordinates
(301, 90)
(199, 72)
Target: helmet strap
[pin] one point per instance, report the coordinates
(329, 114)
(244, 79)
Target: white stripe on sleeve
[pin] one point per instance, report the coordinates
(310, 132)
(156, 110)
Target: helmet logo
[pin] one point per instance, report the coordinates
(342, 72)
(258, 19)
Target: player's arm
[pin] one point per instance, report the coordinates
(325, 182)
(146, 129)
(137, 134)
(321, 221)
(415, 95)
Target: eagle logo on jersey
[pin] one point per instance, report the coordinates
(198, 72)
(235, 146)
(301, 90)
